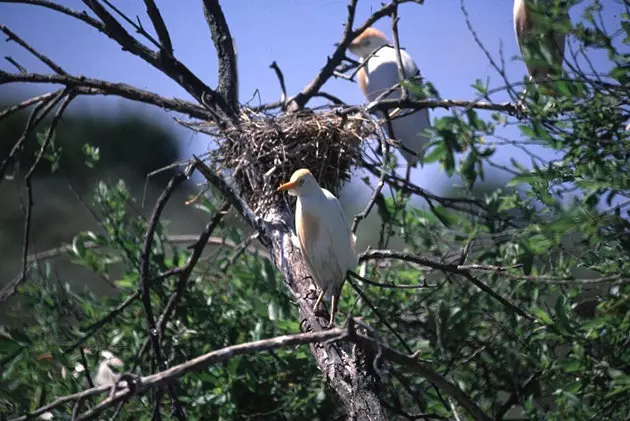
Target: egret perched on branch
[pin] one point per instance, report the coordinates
(542, 48)
(327, 243)
(378, 75)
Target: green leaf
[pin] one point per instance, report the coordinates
(542, 316)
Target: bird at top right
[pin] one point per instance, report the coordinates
(377, 75)
(542, 48)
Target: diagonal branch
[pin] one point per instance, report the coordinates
(146, 383)
(48, 62)
(160, 27)
(300, 100)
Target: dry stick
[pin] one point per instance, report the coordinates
(421, 104)
(160, 27)
(283, 88)
(48, 62)
(103, 87)
(399, 66)
(145, 262)
(93, 328)
(17, 65)
(184, 274)
(29, 175)
(27, 103)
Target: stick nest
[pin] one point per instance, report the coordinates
(266, 149)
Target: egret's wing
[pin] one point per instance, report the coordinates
(307, 227)
(382, 74)
(342, 226)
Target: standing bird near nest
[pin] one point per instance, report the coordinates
(378, 74)
(542, 48)
(327, 243)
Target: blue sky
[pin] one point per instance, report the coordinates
(297, 34)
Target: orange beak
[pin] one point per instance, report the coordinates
(286, 186)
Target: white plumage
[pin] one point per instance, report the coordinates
(542, 46)
(107, 372)
(378, 75)
(328, 244)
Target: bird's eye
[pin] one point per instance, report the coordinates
(301, 182)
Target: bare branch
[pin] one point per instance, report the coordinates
(198, 363)
(220, 33)
(283, 88)
(88, 86)
(421, 104)
(28, 102)
(48, 62)
(15, 64)
(160, 28)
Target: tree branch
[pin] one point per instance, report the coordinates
(89, 86)
(300, 100)
(220, 33)
(48, 62)
(145, 262)
(328, 336)
(160, 28)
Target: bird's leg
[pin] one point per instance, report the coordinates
(333, 309)
(319, 300)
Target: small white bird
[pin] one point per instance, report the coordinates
(327, 243)
(543, 51)
(107, 373)
(378, 75)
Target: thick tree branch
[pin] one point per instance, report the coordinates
(220, 33)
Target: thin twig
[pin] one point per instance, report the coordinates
(450, 268)
(48, 62)
(145, 264)
(280, 76)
